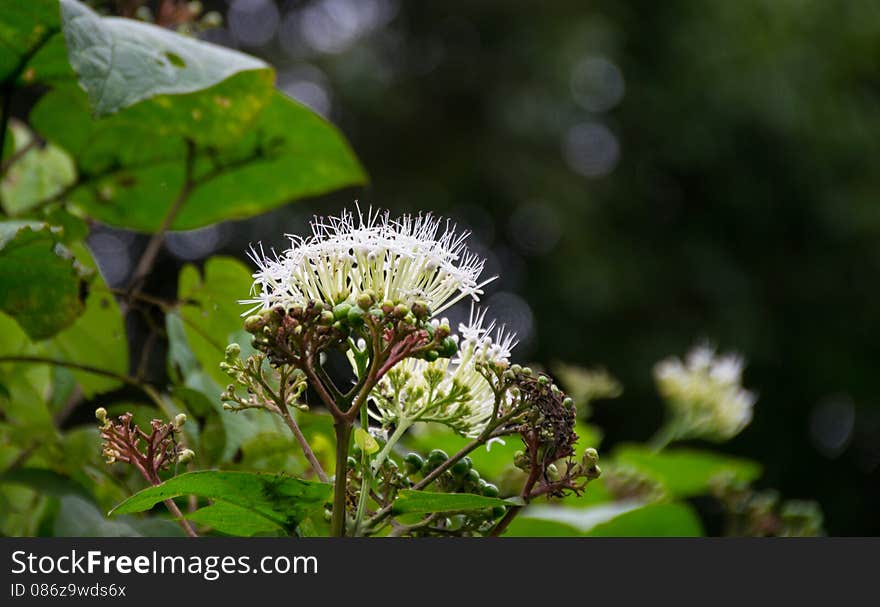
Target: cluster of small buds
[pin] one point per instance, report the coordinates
(292, 336)
(763, 513)
(547, 431)
(149, 452)
(249, 375)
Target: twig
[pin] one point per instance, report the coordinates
(155, 244)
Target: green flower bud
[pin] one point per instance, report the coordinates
(101, 414)
(179, 420)
(254, 324)
(185, 456)
(400, 310)
(355, 316)
(448, 348)
(364, 301)
(340, 312)
(326, 318)
(352, 462)
(431, 355)
(232, 351)
(553, 472)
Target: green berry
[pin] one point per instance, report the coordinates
(431, 355)
(437, 457)
(498, 511)
(490, 490)
(461, 467)
(472, 476)
(448, 348)
(413, 462)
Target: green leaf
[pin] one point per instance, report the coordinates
(234, 520)
(366, 442)
(411, 501)
(131, 173)
(96, 338)
(653, 520)
(685, 472)
(121, 62)
(281, 499)
(78, 517)
(534, 527)
(39, 173)
(24, 28)
(212, 314)
(40, 282)
(47, 482)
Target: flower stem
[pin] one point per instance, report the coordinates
(343, 438)
(402, 427)
(366, 479)
(304, 445)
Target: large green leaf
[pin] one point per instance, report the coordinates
(411, 501)
(41, 283)
(278, 498)
(131, 173)
(523, 526)
(121, 62)
(78, 517)
(653, 520)
(24, 27)
(685, 472)
(234, 520)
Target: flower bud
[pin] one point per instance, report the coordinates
(179, 420)
(355, 316)
(364, 301)
(185, 456)
(340, 311)
(101, 414)
(232, 351)
(420, 310)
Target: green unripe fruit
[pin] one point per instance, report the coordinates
(352, 462)
(340, 311)
(543, 380)
(431, 355)
(400, 310)
(437, 457)
(413, 462)
(461, 467)
(490, 490)
(498, 511)
(326, 318)
(355, 316)
(472, 476)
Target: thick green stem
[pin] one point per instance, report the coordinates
(343, 438)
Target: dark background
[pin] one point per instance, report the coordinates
(642, 175)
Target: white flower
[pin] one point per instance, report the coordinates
(403, 260)
(705, 394)
(452, 392)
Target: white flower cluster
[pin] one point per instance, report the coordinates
(403, 260)
(452, 392)
(705, 395)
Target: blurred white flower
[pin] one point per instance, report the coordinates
(704, 394)
(452, 392)
(403, 260)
